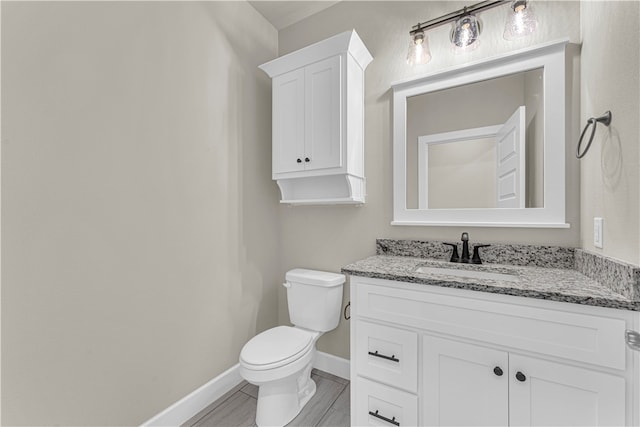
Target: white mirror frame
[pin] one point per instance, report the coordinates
(550, 57)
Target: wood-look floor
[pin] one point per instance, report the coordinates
(328, 407)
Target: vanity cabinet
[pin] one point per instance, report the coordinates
(427, 355)
(318, 121)
(497, 388)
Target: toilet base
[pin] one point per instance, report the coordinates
(281, 401)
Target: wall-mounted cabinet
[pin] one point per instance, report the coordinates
(318, 121)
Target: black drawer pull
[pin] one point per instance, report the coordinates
(383, 418)
(382, 356)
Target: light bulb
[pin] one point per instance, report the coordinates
(521, 20)
(465, 32)
(419, 52)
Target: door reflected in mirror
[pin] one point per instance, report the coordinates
(478, 145)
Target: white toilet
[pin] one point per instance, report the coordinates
(279, 360)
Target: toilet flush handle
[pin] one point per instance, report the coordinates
(286, 284)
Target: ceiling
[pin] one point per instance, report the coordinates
(281, 14)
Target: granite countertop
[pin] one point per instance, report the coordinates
(557, 284)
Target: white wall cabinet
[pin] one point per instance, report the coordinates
(318, 121)
(473, 358)
(306, 118)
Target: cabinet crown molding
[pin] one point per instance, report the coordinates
(347, 42)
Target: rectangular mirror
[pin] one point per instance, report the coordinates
(483, 144)
(452, 141)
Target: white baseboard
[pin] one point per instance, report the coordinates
(333, 365)
(190, 405)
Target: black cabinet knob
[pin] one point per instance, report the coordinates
(299, 160)
(498, 371)
(306, 159)
(521, 377)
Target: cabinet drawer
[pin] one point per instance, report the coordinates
(570, 334)
(388, 355)
(379, 405)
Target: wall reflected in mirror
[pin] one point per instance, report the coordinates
(478, 145)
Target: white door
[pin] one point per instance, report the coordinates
(464, 384)
(545, 393)
(288, 122)
(510, 162)
(323, 115)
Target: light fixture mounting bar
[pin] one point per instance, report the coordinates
(449, 17)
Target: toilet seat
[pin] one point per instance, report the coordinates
(276, 347)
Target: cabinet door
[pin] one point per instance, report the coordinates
(464, 384)
(323, 114)
(544, 393)
(288, 122)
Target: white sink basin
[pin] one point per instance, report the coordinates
(469, 274)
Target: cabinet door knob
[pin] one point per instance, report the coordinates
(299, 160)
(498, 371)
(521, 377)
(306, 159)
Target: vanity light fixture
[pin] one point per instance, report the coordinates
(466, 29)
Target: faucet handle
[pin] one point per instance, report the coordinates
(476, 254)
(454, 254)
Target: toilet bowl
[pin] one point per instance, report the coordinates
(279, 360)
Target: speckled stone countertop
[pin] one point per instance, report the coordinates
(561, 282)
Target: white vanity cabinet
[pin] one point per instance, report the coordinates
(425, 355)
(497, 388)
(318, 121)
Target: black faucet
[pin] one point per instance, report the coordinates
(465, 247)
(465, 251)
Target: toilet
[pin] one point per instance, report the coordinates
(279, 360)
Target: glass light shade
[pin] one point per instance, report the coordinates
(521, 20)
(419, 52)
(465, 33)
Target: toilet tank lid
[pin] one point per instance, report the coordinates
(314, 277)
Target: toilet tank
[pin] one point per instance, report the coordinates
(314, 298)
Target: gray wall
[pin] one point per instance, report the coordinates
(139, 219)
(610, 172)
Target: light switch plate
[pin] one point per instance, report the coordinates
(597, 232)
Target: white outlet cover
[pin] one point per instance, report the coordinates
(597, 232)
